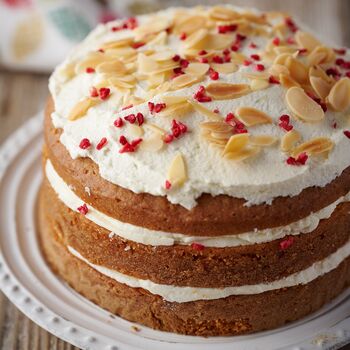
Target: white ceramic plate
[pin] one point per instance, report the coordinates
(44, 298)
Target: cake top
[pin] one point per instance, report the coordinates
(218, 100)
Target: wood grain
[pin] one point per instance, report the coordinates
(24, 94)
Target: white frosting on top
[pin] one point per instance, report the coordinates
(258, 180)
(185, 294)
(157, 238)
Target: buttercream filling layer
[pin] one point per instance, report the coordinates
(158, 238)
(186, 294)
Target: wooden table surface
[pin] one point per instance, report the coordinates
(24, 94)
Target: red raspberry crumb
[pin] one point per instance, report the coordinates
(247, 63)
(202, 52)
(140, 118)
(123, 140)
(183, 36)
(178, 70)
(347, 74)
(104, 93)
(83, 209)
(340, 51)
(276, 41)
(214, 75)
(136, 142)
(300, 160)
(273, 80)
(235, 47)
(240, 37)
(347, 133)
(339, 61)
(159, 107)
(136, 45)
(197, 246)
(184, 63)
(178, 128)
(290, 41)
(286, 243)
(291, 25)
(167, 185)
(203, 60)
(118, 122)
(130, 118)
(101, 144)
(93, 92)
(216, 110)
(90, 70)
(200, 95)
(151, 106)
(255, 57)
(168, 138)
(260, 67)
(227, 28)
(238, 126)
(334, 125)
(176, 58)
(217, 59)
(302, 52)
(85, 143)
(229, 117)
(333, 71)
(130, 147)
(253, 45)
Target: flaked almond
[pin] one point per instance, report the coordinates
(67, 72)
(316, 146)
(184, 80)
(198, 107)
(225, 91)
(216, 126)
(250, 116)
(257, 84)
(154, 25)
(153, 143)
(177, 174)
(81, 108)
(217, 41)
(277, 69)
(279, 50)
(236, 143)
(298, 71)
(282, 59)
(287, 81)
(317, 71)
(255, 76)
(146, 65)
(320, 86)
(155, 128)
(289, 140)
(176, 110)
(134, 130)
(225, 68)
(303, 106)
(339, 96)
(190, 24)
(158, 39)
(218, 13)
(243, 154)
(114, 67)
(197, 69)
(306, 40)
(195, 39)
(118, 83)
(117, 43)
(163, 56)
(262, 140)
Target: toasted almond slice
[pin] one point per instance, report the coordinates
(279, 50)
(303, 106)
(159, 39)
(287, 81)
(339, 96)
(117, 44)
(306, 40)
(197, 69)
(257, 84)
(195, 38)
(317, 71)
(184, 80)
(236, 143)
(221, 135)
(190, 24)
(155, 128)
(155, 80)
(177, 174)
(289, 140)
(163, 56)
(66, 72)
(204, 111)
(250, 116)
(219, 13)
(243, 154)
(153, 143)
(88, 63)
(282, 59)
(225, 68)
(317, 56)
(118, 83)
(146, 65)
(81, 108)
(225, 91)
(218, 41)
(216, 126)
(115, 67)
(277, 69)
(262, 140)
(320, 86)
(177, 110)
(250, 75)
(172, 100)
(298, 71)
(135, 130)
(316, 146)
(154, 25)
